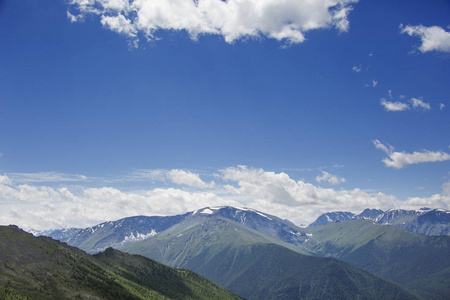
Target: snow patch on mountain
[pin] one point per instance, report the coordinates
(138, 237)
(207, 211)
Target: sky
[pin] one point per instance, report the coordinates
(116, 108)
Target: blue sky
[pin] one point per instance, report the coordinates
(151, 108)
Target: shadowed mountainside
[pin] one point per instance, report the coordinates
(42, 268)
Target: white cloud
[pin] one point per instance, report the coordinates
(4, 179)
(436, 201)
(441, 106)
(418, 103)
(399, 160)
(187, 178)
(298, 201)
(43, 207)
(356, 69)
(119, 24)
(331, 179)
(433, 38)
(387, 149)
(233, 19)
(374, 83)
(45, 177)
(394, 106)
(73, 18)
(179, 177)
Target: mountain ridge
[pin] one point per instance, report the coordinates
(215, 234)
(42, 268)
(423, 221)
(252, 265)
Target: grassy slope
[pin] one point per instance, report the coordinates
(186, 240)
(46, 269)
(257, 267)
(418, 262)
(175, 284)
(283, 274)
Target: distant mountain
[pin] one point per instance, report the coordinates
(57, 234)
(217, 241)
(42, 268)
(114, 233)
(270, 225)
(339, 216)
(256, 266)
(369, 214)
(424, 221)
(129, 230)
(418, 262)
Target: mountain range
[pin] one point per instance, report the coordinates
(424, 221)
(246, 251)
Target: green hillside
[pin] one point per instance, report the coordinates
(180, 243)
(280, 273)
(41, 268)
(417, 262)
(255, 266)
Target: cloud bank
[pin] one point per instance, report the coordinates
(434, 38)
(233, 19)
(400, 160)
(44, 207)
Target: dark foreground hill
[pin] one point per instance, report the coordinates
(42, 268)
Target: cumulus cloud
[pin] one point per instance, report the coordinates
(374, 83)
(399, 160)
(176, 176)
(419, 103)
(331, 179)
(434, 38)
(4, 179)
(119, 24)
(441, 106)
(233, 19)
(43, 207)
(438, 200)
(298, 201)
(187, 178)
(394, 106)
